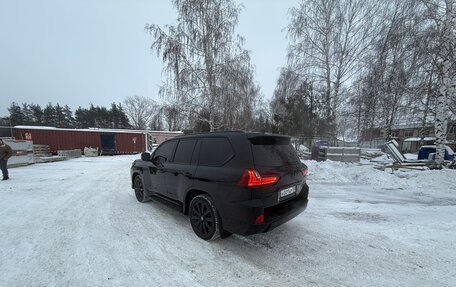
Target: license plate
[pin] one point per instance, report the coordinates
(287, 191)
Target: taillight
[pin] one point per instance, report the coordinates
(259, 219)
(252, 178)
(305, 172)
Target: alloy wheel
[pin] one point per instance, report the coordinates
(202, 218)
(139, 189)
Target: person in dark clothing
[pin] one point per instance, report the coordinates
(5, 153)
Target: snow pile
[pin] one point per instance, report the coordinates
(382, 158)
(339, 172)
(303, 148)
(371, 152)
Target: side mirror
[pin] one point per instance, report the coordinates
(145, 156)
(159, 160)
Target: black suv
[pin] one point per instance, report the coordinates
(227, 182)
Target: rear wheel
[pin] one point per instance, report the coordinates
(204, 217)
(139, 189)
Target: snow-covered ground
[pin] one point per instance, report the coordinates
(77, 223)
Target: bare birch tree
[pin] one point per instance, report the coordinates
(193, 52)
(442, 13)
(240, 95)
(328, 41)
(172, 117)
(398, 85)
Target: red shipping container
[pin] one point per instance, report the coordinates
(115, 141)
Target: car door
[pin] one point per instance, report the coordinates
(158, 167)
(179, 172)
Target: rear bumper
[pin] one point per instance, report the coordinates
(242, 219)
(284, 214)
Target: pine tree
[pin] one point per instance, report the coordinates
(59, 116)
(69, 121)
(28, 114)
(117, 117)
(49, 118)
(16, 115)
(37, 114)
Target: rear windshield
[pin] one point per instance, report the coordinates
(273, 151)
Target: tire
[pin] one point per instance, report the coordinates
(204, 217)
(140, 193)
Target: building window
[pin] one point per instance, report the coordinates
(408, 133)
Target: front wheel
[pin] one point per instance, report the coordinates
(140, 193)
(204, 217)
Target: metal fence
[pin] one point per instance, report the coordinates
(343, 154)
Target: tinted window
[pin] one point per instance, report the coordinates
(215, 151)
(165, 150)
(184, 151)
(273, 152)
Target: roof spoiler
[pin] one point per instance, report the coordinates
(264, 139)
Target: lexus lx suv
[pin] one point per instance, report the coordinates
(226, 182)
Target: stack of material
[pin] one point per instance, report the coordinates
(90, 152)
(344, 154)
(22, 152)
(41, 150)
(43, 154)
(371, 153)
(73, 153)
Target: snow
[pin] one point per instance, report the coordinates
(419, 139)
(77, 223)
(334, 172)
(411, 156)
(303, 148)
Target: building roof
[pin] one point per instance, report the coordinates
(94, 130)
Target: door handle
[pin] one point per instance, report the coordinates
(187, 174)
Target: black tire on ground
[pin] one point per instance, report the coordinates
(138, 185)
(204, 217)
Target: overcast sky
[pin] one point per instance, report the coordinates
(96, 51)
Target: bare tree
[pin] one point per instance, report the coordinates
(399, 61)
(328, 41)
(193, 52)
(378, 65)
(172, 117)
(140, 110)
(397, 85)
(239, 94)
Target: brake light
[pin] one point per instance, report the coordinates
(305, 172)
(259, 219)
(252, 178)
